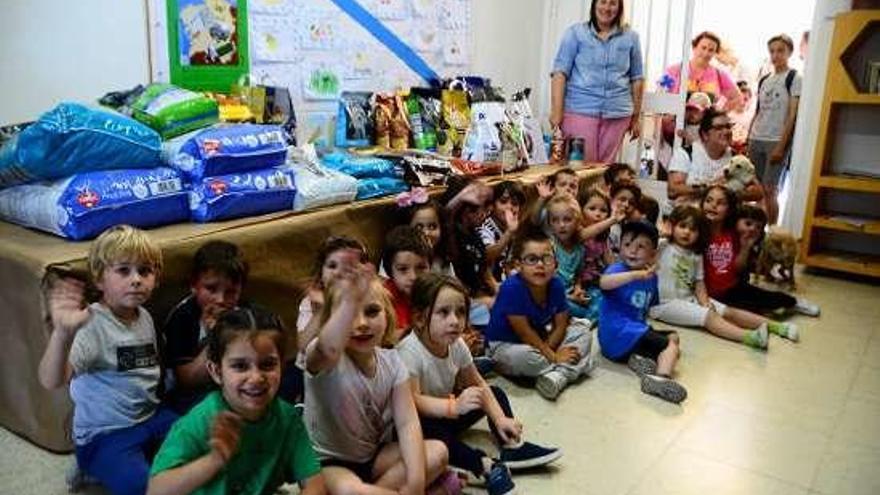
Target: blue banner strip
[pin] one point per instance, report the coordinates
(375, 27)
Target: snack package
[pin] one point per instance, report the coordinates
(430, 112)
(520, 114)
(417, 125)
(383, 111)
(483, 141)
(84, 205)
(244, 194)
(71, 139)
(225, 149)
(456, 119)
(173, 111)
(400, 126)
(426, 171)
(354, 123)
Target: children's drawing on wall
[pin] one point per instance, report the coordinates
(208, 32)
(391, 10)
(320, 29)
(273, 38)
(322, 82)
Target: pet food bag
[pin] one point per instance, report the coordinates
(173, 111)
(84, 205)
(71, 139)
(242, 194)
(225, 149)
(520, 114)
(380, 186)
(483, 142)
(354, 124)
(316, 184)
(454, 126)
(361, 167)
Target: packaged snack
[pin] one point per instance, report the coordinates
(225, 149)
(84, 205)
(456, 119)
(71, 139)
(255, 192)
(173, 111)
(354, 125)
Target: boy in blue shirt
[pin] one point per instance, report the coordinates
(530, 332)
(629, 288)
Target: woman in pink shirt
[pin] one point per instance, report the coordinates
(705, 77)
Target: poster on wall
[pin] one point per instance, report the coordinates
(208, 43)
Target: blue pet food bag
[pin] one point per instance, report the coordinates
(240, 195)
(226, 149)
(71, 139)
(380, 186)
(83, 206)
(361, 167)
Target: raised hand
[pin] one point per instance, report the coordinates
(545, 189)
(225, 434)
(511, 220)
(66, 299)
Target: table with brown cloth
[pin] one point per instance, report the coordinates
(279, 247)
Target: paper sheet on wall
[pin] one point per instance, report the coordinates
(273, 38)
(455, 14)
(390, 10)
(271, 7)
(322, 80)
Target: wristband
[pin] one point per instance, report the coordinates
(450, 407)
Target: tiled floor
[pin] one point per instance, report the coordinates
(800, 419)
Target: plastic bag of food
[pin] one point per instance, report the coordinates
(318, 185)
(354, 123)
(244, 194)
(225, 149)
(173, 111)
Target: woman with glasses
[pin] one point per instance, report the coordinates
(692, 170)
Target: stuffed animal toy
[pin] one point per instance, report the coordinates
(738, 173)
(777, 258)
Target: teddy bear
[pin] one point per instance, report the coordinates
(778, 255)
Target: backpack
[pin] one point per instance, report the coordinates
(789, 80)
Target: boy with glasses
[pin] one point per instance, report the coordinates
(530, 333)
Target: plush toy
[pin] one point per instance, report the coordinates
(738, 173)
(777, 258)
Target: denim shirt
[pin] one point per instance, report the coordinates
(598, 73)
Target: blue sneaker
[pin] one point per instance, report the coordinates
(528, 455)
(498, 480)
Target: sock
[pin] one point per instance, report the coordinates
(756, 338)
(784, 330)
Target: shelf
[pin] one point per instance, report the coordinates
(833, 222)
(846, 262)
(863, 184)
(858, 99)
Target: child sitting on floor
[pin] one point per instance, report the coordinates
(405, 256)
(440, 364)
(419, 211)
(108, 353)
(218, 274)
(358, 395)
(683, 297)
(240, 438)
(629, 288)
(597, 220)
(530, 333)
(498, 230)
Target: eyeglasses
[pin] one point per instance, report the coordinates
(534, 259)
(728, 126)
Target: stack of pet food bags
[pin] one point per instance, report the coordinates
(233, 170)
(78, 170)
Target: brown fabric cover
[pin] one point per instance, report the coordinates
(279, 247)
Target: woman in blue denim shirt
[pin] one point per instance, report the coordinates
(596, 83)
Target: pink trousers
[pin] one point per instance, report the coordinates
(602, 137)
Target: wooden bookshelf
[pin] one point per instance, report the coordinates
(842, 227)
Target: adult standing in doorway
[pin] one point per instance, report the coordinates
(597, 81)
(705, 77)
(773, 126)
(693, 170)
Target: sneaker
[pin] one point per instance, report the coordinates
(757, 338)
(528, 455)
(447, 483)
(664, 388)
(550, 384)
(498, 480)
(805, 307)
(484, 365)
(77, 480)
(641, 365)
(785, 330)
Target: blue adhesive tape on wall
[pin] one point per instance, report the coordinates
(385, 36)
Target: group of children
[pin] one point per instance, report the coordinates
(384, 373)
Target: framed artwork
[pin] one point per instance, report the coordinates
(207, 43)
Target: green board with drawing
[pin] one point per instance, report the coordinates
(207, 43)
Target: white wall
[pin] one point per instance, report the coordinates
(51, 50)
